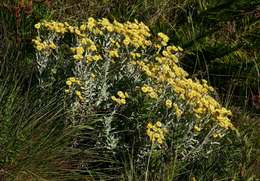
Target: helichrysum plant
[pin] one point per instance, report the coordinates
(131, 83)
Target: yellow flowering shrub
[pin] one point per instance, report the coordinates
(122, 71)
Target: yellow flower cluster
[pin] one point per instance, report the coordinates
(73, 81)
(113, 54)
(164, 39)
(134, 34)
(121, 100)
(156, 132)
(149, 91)
(88, 47)
(60, 28)
(135, 55)
(217, 135)
(178, 111)
(91, 24)
(43, 45)
(79, 53)
(165, 71)
(168, 103)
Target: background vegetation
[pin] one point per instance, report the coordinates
(221, 43)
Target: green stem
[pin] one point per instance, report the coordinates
(147, 168)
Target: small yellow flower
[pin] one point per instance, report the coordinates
(77, 57)
(83, 27)
(77, 82)
(71, 29)
(126, 95)
(97, 57)
(78, 93)
(52, 45)
(178, 113)
(77, 32)
(80, 97)
(180, 49)
(113, 53)
(158, 124)
(135, 55)
(164, 38)
(157, 46)
(37, 26)
(144, 89)
(121, 94)
(149, 125)
(72, 79)
(110, 28)
(168, 103)
(193, 179)
(113, 98)
(156, 135)
(215, 135)
(126, 41)
(67, 91)
(91, 23)
(79, 50)
(211, 89)
(92, 48)
(89, 58)
(93, 75)
(148, 132)
(153, 95)
(198, 116)
(122, 101)
(149, 89)
(39, 47)
(197, 128)
(69, 83)
(160, 141)
(155, 128)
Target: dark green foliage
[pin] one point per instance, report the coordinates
(34, 142)
(237, 158)
(16, 32)
(223, 46)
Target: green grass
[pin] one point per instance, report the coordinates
(36, 143)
